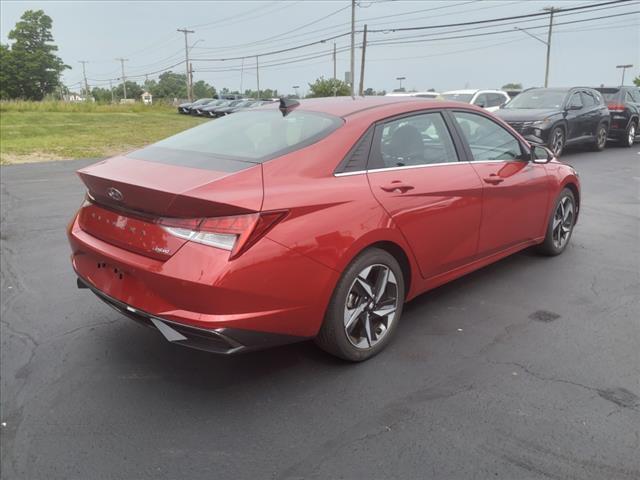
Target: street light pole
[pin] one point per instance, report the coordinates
(624, 69)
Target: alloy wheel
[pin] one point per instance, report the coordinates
(371, 306)
(632, 134)
(602, 137)
(557, 142)
(563, 219)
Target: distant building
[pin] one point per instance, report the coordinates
(147, 98)
(76, 97)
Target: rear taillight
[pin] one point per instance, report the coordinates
(616, 107)
(235, 233)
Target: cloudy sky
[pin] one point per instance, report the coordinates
(474, 56)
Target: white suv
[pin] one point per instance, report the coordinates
(488, 99)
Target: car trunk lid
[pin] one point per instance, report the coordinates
(132, 200)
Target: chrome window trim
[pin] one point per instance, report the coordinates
(390, 169)
(405, 167)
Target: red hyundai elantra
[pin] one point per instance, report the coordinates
(313, 220)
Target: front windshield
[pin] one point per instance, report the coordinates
(249, 136)
(538, 98)
(458, 97)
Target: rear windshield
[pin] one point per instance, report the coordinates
(609, 94)
(248, 136)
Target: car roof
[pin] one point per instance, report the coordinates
(461, 92)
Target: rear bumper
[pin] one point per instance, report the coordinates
(226, 341)
(267, 290)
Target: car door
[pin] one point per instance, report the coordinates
(575, 117)
(433, 198)
(592, 114)
(515, 190)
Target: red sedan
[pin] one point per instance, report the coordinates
(313, 220)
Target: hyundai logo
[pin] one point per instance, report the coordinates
(114, 194)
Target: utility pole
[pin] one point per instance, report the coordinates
(364, 51)
(186, 59)
(84, 74)
(124, 79)
(113, 100)
(551, 11)
(257, 78)
(624, 69)
(241, 74)
(353, 54)
(190, 80)
(334, 60)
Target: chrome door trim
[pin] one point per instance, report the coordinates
(405, 167)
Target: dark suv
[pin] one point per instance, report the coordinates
(624, 105)
(559, 116)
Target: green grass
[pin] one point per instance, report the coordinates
(39, 131)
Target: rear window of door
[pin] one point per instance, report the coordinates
(487, 140)
(412, 141)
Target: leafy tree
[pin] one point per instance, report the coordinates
(102, 94)
(512, 86)
(134, 90)
(30, 67)
(264, 93)
(636, 81)
(202, 89)
(170, 85)
(8, 87)
(328, 88)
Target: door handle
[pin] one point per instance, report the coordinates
(493, 179)
(397, 187)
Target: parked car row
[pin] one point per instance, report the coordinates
(559, 117)
(218, 107)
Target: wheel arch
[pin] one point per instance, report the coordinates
(397, 252)
(576, 195)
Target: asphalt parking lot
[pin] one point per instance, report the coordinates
(527, 369)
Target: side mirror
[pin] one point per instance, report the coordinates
(541, 154)
(574, 107)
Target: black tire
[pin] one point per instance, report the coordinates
(332, 336)
(600, 139)
(557, 141)
(632, 131)
(550, 245)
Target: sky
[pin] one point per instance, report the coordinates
(145, 32)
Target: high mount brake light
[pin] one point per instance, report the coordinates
(234, 233)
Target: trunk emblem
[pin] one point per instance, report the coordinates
(114, 194)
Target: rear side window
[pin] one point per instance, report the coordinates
(588, 99)
(412, 141)
(252, 136)
(487, 140)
